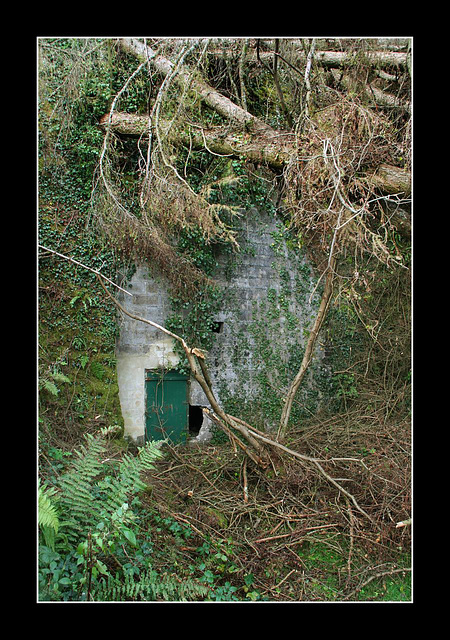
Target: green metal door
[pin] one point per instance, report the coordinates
(166, 414)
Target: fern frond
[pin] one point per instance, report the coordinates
(128, 481)
(149, 453)
(88, 495)
(59, 377)
(48, 519)
(149, 587)
(50, 386)
(77, 502)
(47, 514)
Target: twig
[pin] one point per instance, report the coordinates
(374, 577)
(244, 474)
(350, 551)
(306, 78)
(241, 74)
(135, 317)
(318, 465)
(278, 537)
(97, 273)
(106, 140)
(285, 578)
(191, 466)
(256, 459)
(309, 351)
(404, 523)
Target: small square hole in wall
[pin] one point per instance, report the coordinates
(217, 327)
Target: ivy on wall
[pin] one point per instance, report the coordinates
(77, 326)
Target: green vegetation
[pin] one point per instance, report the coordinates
(77, 327)
(98, 541)
(94, 524)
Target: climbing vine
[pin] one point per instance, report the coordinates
(77, 327)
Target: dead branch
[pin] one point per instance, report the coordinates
(381, 574)
(257, 146)
(211, 97)
(232, 436)
(80, 264)
(309, 349)
(316, 462)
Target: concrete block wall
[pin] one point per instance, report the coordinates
(255, 281)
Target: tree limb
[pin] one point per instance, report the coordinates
(273, 148)
(309, 349)
(316, 462)
(331, 59)
(262, 146)
(80, 264)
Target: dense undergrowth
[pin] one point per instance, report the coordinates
(203, 524)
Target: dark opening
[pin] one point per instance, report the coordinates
(195, 419)
(217, 327)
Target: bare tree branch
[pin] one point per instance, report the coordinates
(80, 264)
(309, 349)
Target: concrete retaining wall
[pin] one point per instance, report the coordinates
(264, 321)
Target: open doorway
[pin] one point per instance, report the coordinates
(195, 419)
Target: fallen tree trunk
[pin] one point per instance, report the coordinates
(390, 180)
(187, 78)
(255, 140)
(376, 58)
(373, 93)
(334, 59)
(269, 147)
(262, 146)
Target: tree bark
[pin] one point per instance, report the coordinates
(376, 58)
(390, 180)
(373, 93)
(269, 146)
(186, 77)
(337, 59)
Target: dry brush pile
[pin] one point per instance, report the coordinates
(279, 519)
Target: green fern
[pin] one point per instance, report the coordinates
(91, 491)
(80, 509)
(151, 586)
(94, 500)
(128, 480)
(48, 519)
(49, 385)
